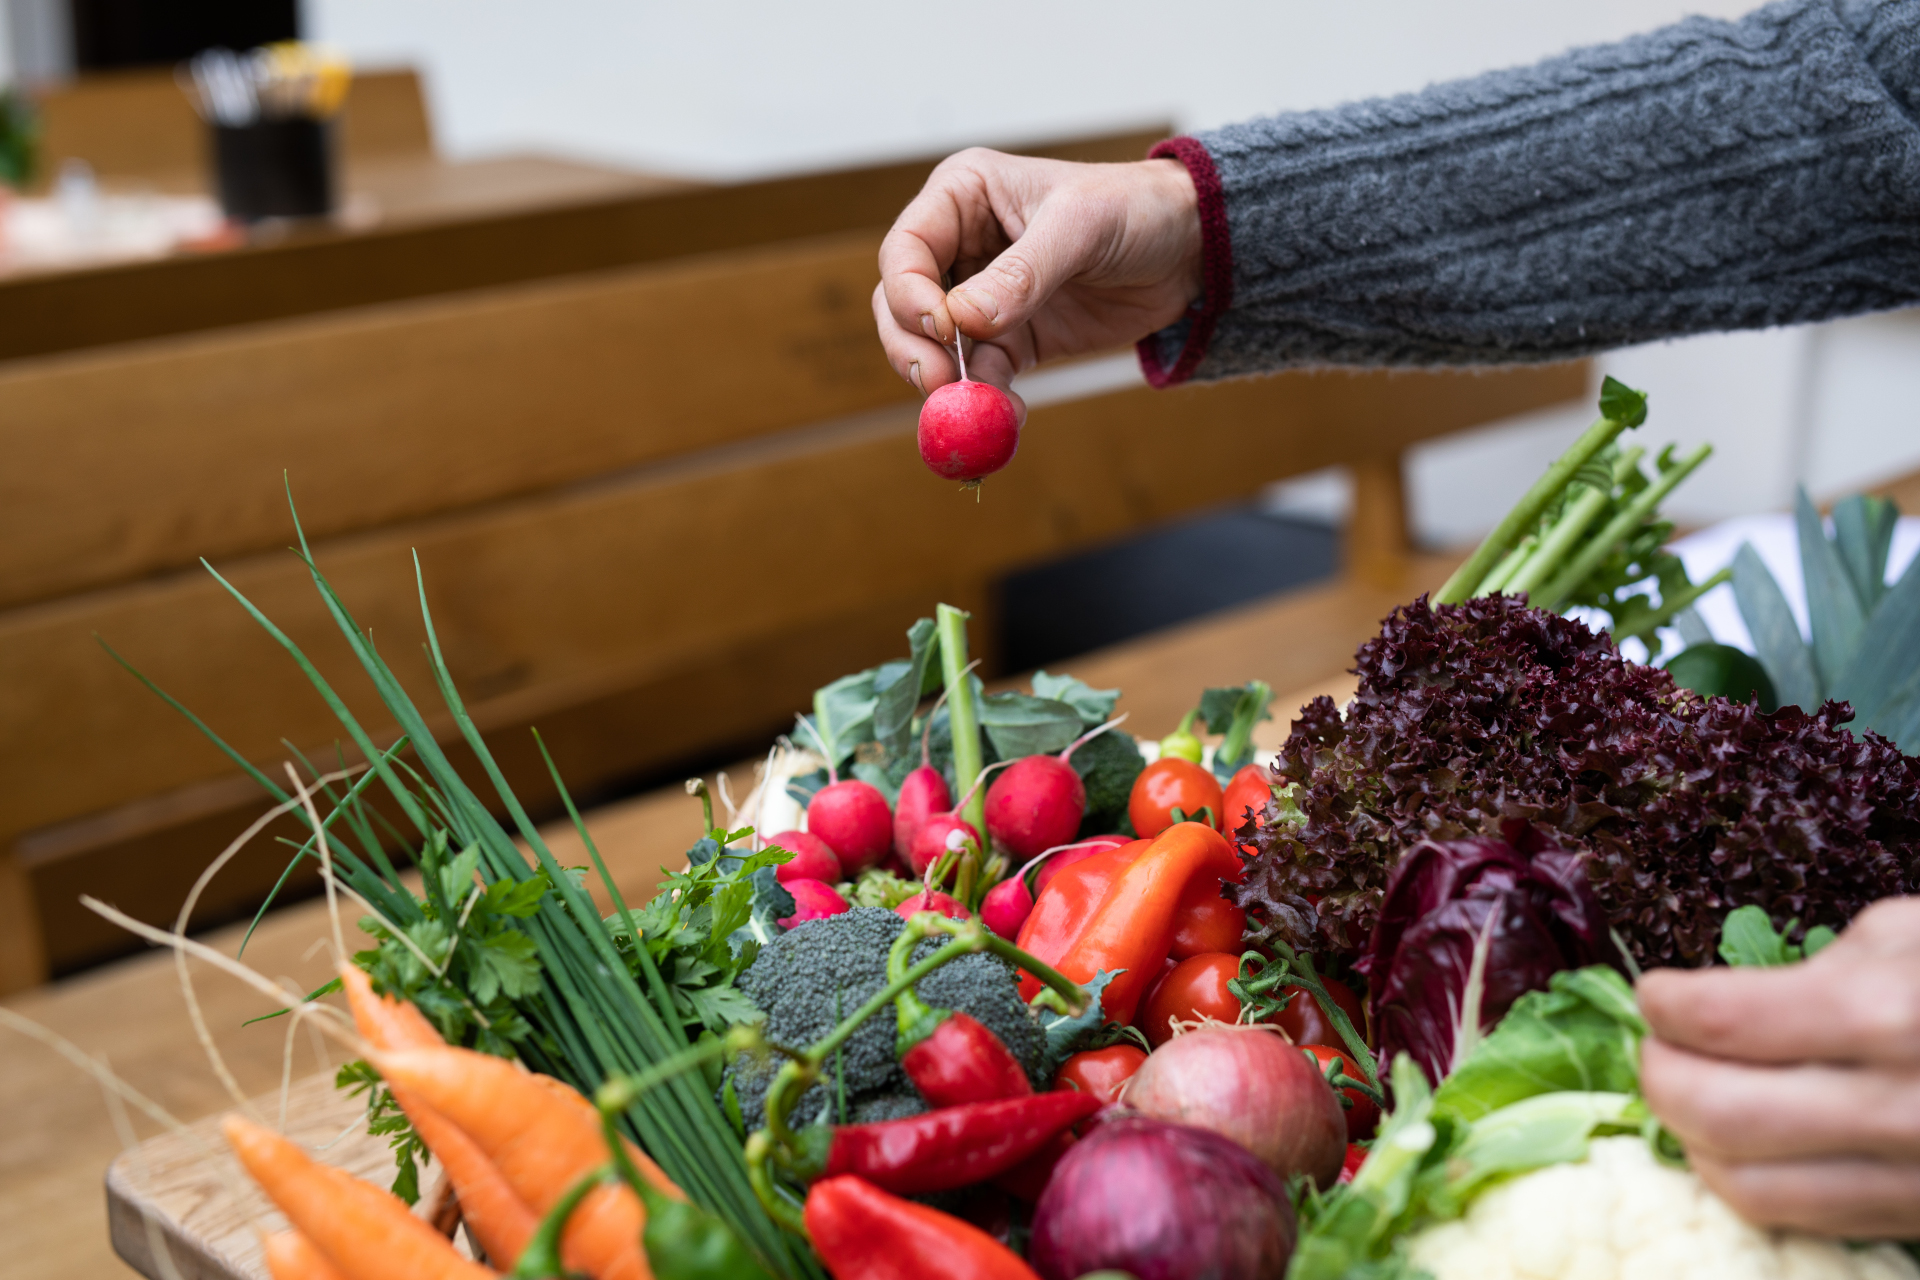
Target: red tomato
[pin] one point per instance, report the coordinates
(1100, 1072)
(1194, 988)
(1363, 1116)
(1304, 1022)
(1250, 788)
(1204, 921)
(1169, 784)
(1356, 1156)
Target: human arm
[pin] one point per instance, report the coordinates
(1796, 1090)
(1708, 176)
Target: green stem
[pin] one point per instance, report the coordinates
(962, 717)
(1466, 580)
(1567, 531)
(1296, 970)
(540, 1260)
(760, 1177)
(1617, 530)
(1496, 582)
(1246, 713)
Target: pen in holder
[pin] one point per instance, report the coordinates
(271, 116)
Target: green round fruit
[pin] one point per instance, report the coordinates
(1722, 671)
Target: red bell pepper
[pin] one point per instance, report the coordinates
(1067, 903)
(862, 1233)
(1130, 931)
(954, 1146)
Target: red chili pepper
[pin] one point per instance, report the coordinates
(961, 1061)
(954, 1146)
(862, 1233)
(1130, 932)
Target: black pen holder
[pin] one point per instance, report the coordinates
(274, 169)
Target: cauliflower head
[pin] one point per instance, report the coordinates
(1622, 1215)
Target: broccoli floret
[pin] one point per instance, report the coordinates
(802, 977)
(1107, 765)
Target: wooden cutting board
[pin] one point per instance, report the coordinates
(185, 1195)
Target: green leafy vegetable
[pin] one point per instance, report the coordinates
(385, 1119)
(1095, 706)
(706, 924)
(1561, 1068)
(1865, 649)
(1020, 724)
(1582, 1034)
(1749, 938)
(1233, 711)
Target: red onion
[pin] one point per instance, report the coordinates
(1250, 1085)
(1162, 1202)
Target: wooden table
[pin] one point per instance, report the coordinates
(57, 1138)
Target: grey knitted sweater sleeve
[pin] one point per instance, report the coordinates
(1708, 176)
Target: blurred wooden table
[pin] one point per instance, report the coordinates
(57, 1139)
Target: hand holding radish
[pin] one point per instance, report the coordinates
(1053, 259)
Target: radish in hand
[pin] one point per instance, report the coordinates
(968, 429)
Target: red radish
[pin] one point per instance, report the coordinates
(1248, 1084)
(1008, 904)
(923, 793)
(812, 900)
(968, 430)
(936, 834)
(1006, 907)
(932, 840)
(853, 818)
(933, 900)
(812, 858)
(1039, 801)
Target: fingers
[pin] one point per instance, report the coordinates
(1858, 1008)
(930, 365)
(1064, 238)
(1854, 1199)
(1736, 1112)
(920, 360)
(955, 212)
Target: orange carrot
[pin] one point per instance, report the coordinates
(542, 1140)
(384, 1022)
(363, 1232)
(291, 1256)
(498, 1219)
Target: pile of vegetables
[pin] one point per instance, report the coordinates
(978, 985)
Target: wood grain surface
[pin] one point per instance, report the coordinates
(57, 1139)
(552, 601)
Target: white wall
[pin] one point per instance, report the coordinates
(732, 89)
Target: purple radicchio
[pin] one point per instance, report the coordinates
(1523, 910)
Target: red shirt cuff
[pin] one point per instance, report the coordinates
(1216, 267)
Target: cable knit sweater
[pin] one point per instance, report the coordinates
(1712, 175)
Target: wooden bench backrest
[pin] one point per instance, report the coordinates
(656, 507)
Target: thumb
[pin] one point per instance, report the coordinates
(1008, 291)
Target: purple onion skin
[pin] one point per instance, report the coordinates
(1163, 1202)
